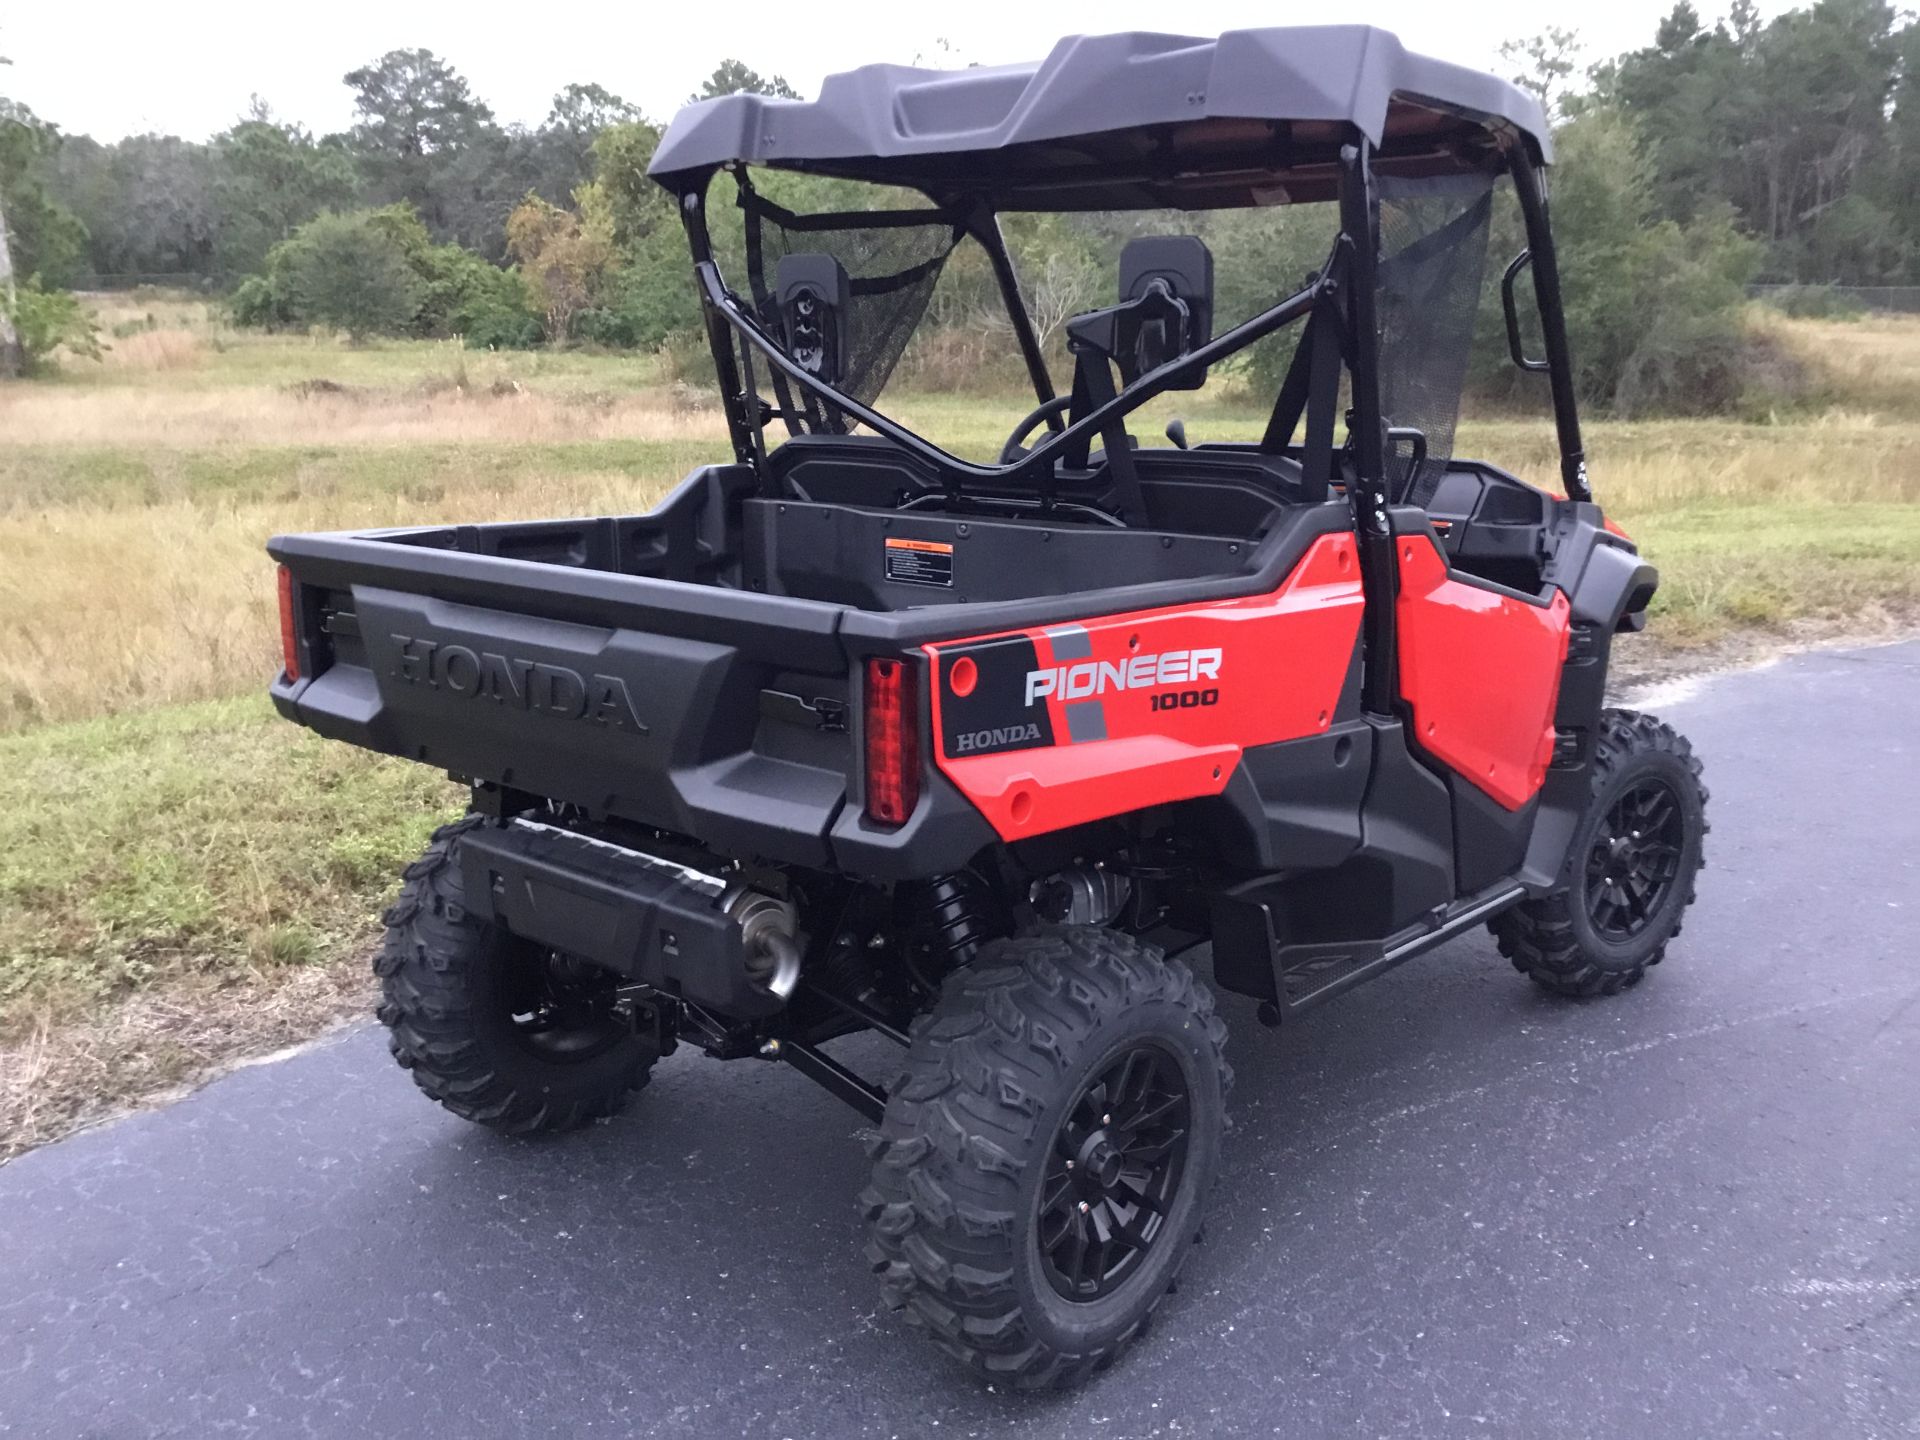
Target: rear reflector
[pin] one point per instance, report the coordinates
(289, 633)
(893, 742)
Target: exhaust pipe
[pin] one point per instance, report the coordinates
(767, 926)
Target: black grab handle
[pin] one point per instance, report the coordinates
(1515, 348)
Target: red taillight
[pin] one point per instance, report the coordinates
(289, 632)
(893, 742)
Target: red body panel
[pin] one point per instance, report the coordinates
(1482, 673)
(1145, 708)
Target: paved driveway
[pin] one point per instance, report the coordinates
(1452, 1205)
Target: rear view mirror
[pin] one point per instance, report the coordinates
(1166, 304)
(812, 294)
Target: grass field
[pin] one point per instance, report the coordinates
(183, 878)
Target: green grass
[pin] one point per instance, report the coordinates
(191, 840)
(1728, 567)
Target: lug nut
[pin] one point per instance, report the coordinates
(1084, 1207)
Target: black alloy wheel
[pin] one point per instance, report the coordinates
(1630, 869)
(1042, 1169)
(1634, 859)
(1115, 1167)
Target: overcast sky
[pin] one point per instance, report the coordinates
(113, 68)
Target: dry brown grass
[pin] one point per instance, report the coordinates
(58, 1076)
(154, 350)
(106, 607)
(268, 416)
(151, 308)
(1838, 458)
(153, 589)
(1870, 364)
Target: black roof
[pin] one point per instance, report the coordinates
(1124, 121)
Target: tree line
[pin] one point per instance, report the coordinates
(1721, 153)
(164, 208)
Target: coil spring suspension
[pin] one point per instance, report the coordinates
(944, 922)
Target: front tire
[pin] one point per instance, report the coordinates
(498, 1030)
(1044, 1162)
(1630, 870)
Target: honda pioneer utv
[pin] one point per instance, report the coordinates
(852, 733)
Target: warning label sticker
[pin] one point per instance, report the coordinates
(919, 562)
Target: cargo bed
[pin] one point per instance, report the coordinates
(694, 668)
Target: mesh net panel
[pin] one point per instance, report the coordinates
(1433, 246)
(893, 269)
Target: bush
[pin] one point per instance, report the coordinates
(465, 296)
(564, 254)
(642, 302)
(256, 302)
(687, 360)
(383, 264)
(347, 271)
(1653, 308)
(1689, 356)
(1684, 365)
(46, 321)
(1775, 375)
(496, 315)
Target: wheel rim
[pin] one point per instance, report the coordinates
(562, 1010)
(1113, 1172)
(1635, 860)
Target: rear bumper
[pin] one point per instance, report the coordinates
(750, 805)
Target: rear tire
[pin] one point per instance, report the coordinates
(1043, 1165)
(498, 1030)
(1630, 870)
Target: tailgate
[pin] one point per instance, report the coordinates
(707, 711)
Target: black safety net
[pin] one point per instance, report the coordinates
(1433, 248)
(893, 260)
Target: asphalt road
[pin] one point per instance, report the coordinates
(1452, 1205)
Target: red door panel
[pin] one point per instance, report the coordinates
(1058, 726)
(1482, 672)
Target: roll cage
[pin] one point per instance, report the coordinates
(1338, 302)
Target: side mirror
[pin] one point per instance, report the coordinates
(1515, 268)
(812, 294)
(1166, 304)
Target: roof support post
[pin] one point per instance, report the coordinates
(1367, 488)
(1532, 194)
(693, 215)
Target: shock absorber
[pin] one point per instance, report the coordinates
(944, 921)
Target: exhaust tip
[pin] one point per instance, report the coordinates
(774, 965)
(766, 931)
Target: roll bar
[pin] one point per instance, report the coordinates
(725, 312)
(1350, 266)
